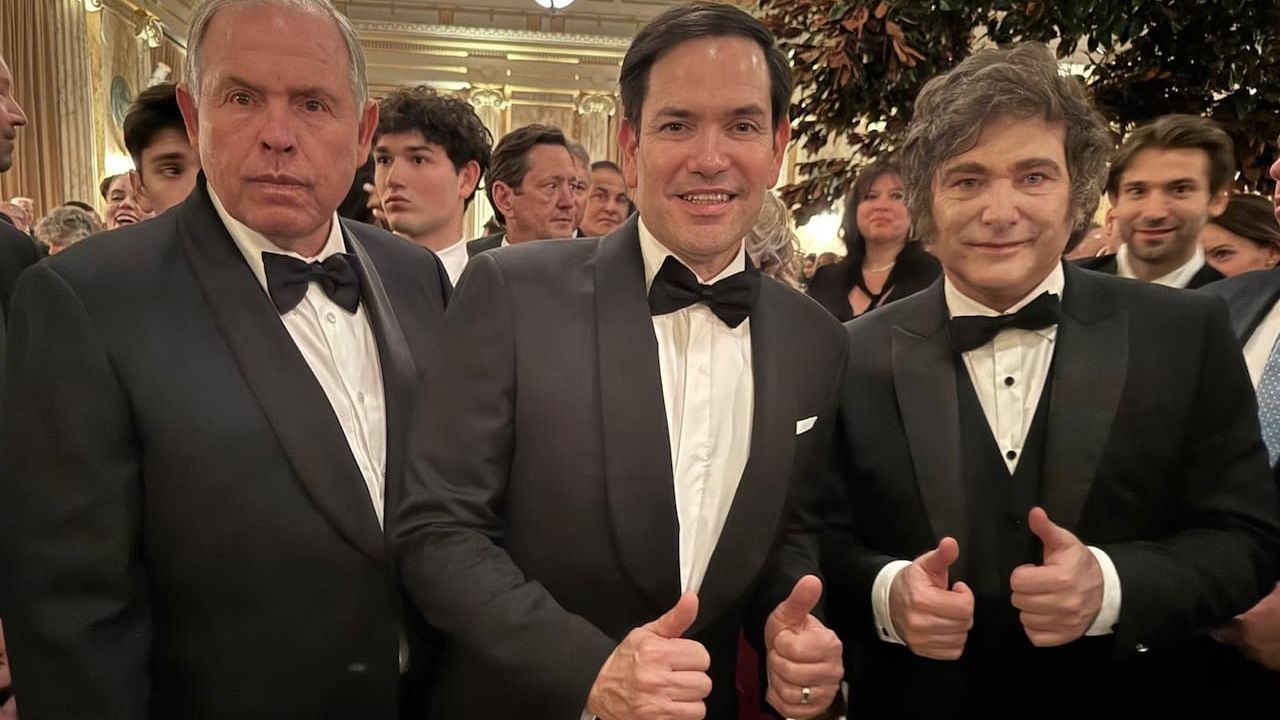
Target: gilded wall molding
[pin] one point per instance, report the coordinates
(495, 35)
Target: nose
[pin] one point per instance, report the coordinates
(1001, 210)
(565, 196)
(277, 134)
(1155, 206)
(709, 158)
(11, 108)
(389, 174)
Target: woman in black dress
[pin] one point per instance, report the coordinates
(883, 263)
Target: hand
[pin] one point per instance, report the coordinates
(931, 619)
(802, 653)
(1061, 598)
(654, 673)
(1257, 631)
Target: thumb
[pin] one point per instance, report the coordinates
(804, 597)
(676, 621)
(936, 562)
(1054, 538)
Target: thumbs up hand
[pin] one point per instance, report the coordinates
(1061, 598)
(654, 674)
(804, 657)
(930, 616)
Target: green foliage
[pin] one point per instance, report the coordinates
(860, 63)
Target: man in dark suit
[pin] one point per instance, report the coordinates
(531, 188)
(612, 485)
(1048, 479)
(1165, 182)
(1255, 321)
(205, 412)
(17, 250)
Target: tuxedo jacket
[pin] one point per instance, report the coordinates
(488, 242)
(539, 523)
(185, 531)
(1250, 296)
(1152, 453)
(1109, 265)
(17, 251)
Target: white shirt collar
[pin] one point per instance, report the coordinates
(655, 253)
(1177, 279)
(253, 243)
(960, 304)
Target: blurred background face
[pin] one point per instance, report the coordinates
(607, 203)
(1162, 201)
(123, 207)
(1231, 254)
(169, 169)
(581, 183)
(420, 190)
(882, 212)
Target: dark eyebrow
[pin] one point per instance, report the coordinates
(168, 156)
(752, 110)
(966, 168)
(1030, 163)
(412, 148)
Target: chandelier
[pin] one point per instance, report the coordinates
(554, 5)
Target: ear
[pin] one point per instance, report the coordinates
(468, 179)
(140, 190)
(364, 134)
(190, 118)
(781, 139)
(1218, 204)
(629, 141)
(502, 194)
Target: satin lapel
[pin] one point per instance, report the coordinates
(750, 530)
(292, 400)
(637, 448)
(924, 378)
(1254, 303)
(1090, 360)
(399, 373)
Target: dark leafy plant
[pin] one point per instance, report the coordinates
(860, 63)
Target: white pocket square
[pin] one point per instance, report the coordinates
(805, 425)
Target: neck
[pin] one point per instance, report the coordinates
(1151, 270)
(707, 268)
(880, 253)
(441, 238)
(309, 246)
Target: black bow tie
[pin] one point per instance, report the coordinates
(969, 332)
(676, 287)
(288, 278)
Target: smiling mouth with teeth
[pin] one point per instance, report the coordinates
(707, 199)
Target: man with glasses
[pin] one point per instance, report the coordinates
(531, 188)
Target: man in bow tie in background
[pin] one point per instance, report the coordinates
(621, 470)
(205, 414)
(1050, 480)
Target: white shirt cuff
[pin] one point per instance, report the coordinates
(880, 601)
(1109, 615)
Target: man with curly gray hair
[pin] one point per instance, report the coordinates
(1053, 479)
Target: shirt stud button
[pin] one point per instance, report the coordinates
(1012, 454)
(1008, 381)
(333, 319)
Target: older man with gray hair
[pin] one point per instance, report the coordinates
(1052, 480)
(64, 227)
(205, 412)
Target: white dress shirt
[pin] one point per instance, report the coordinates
(1257, 349)
(1008, 376)
(340, 349)
(454, 259)
(1176, 279)
(708, 391)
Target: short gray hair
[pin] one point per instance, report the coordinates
(1024, 82)
(65, 226)
(205, 13)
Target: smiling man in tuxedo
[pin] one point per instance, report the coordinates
(1050, 480)
(204, 414)
(623, 470)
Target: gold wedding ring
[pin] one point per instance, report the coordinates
(804, 695)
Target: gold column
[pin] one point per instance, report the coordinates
(73, 101)
(490, 105)
(595, 110)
